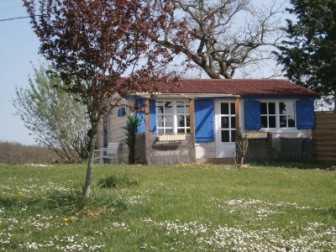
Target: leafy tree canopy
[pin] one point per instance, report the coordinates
(93, 43)
(54, 117)
(309, 53)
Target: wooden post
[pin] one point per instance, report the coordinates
(192, 117)
(147, 115)
(237, 115)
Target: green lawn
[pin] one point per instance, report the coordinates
(167, 208)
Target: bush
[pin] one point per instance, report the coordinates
(113, 181)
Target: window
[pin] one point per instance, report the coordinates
(287, 114)
(172, 117)
(268, 115)
(277, 114)
(228, 122)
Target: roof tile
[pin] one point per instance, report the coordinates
(243, 87)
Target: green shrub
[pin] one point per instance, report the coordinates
(109, 182)
(113, 181)
(130, 133)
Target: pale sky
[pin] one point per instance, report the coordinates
(18, 53)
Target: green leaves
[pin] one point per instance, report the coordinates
(130, 132)
(53, 116)
(309, 53)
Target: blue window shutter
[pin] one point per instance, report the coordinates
(252, 115)
(305, 114)
(204, 126)
(141, 116)
(152, 116)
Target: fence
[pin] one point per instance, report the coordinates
(324, 137)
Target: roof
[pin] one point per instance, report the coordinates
(235, 87)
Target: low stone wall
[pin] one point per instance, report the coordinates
(150, 151)
(280, 149)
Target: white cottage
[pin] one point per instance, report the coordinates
(202, 117)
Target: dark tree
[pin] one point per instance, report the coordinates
(309, 53)
(221, 36)
(94, 43)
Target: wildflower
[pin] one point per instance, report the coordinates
(21, 194)
(70, 219)
(73, 218)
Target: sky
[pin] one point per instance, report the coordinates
(18, 54)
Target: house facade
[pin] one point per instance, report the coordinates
(205, 116)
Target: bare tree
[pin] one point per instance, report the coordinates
(94, 43)
(221, 36)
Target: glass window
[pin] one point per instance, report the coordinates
(268, 115)
(287, 114)
(224, 108)
(277, 114)
(228, 122)
(172, 117)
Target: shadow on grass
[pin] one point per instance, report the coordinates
(67, 202)
(332, 212)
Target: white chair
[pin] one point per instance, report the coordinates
(108, 153)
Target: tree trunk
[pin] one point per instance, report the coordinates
(88, 178)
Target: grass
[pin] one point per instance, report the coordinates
(168, 208)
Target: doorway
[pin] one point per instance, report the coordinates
(225, 117)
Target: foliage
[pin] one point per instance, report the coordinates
(221, 36)
(130, 132)
(94, 43)
(309, 53)
(53, 116)
(194, 208)
(113, 181)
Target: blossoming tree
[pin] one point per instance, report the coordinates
(91, 44)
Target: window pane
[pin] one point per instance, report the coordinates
(233, 122)
(180, 121)
(282, 108)
(159, 108)
(169, 131)
(181, 131)
(160, 121)
(169, 121)
(272, 122)
(233, 109)
(168, 108)
(225, 122)
(180, 108)
(233, 136)
(283, 121)
(291, 121)
(290, 108)
(188, 120)
(225, 136)
(263, 106)
(160, 131)
(264, 122)
(224, 108)
(186, 110)
(271, 108)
